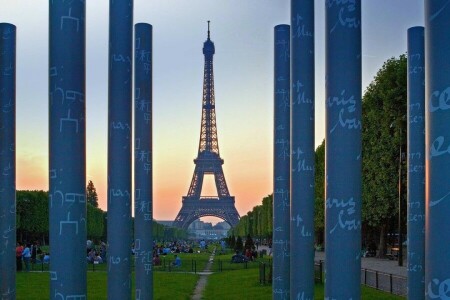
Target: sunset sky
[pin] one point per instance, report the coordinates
(242, 31)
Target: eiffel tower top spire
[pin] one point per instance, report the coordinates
(208, 133)
(208, 30)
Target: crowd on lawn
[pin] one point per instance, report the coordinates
(175, 247)
(31, 253)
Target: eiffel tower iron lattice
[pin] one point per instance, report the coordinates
(208, 161)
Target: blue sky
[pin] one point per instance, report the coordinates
(242, 31)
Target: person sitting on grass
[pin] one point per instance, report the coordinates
(156, 260)
(46, 258)
(177, 261)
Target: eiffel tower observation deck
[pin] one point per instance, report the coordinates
(208, 160)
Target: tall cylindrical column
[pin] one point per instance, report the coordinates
(143, 180)
(416, 163)
(119, 148)
(281, 165)
(437, 145)
(8, 160)
(67, 149)
(343, 150)
(302, 149)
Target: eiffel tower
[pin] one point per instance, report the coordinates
(208, 161)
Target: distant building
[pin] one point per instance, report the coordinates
(205, 230)
(165, 223)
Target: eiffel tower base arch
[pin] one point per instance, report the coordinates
(196, 208)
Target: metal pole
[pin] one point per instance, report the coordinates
(437, 138)
(119, 148)
(416, 163)
(67, 149)
(343, 150)
(302, 150)
(143, 181)
(281, 171)
(8, 160)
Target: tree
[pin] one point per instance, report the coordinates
(32, 221)
(91, 194)
(239, 246)
(384, 132)
(268, 215)
(32, 215)
(319, 193)
(249, 242)
(95, 222)
(232, 241)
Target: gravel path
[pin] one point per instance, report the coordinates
(201, 283)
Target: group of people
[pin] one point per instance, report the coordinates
(251, 254)
(175, 247)
(95, 254)
(29, 253)
(165, 248)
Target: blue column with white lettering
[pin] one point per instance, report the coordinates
(8, 161)
(143, 183)
(67, 149)
(437, 141)
(343, 150)
(416, 163)
(281, 166)
(119, 148)
(302, 149)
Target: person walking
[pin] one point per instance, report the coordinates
(26, 257)
(19, 250)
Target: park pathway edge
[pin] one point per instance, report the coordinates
(201, 283)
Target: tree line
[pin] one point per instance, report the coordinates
(258, 222)
(32, 218)
(384, 110)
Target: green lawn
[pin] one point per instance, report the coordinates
(172, 285)
(235, 284)
(35, 285)
(222, 262)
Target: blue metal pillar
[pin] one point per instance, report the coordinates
(343, 150)
(67, 149)
(281, 166)
(8, 160)
(119, 148)
(416, 163)
(143, 179)
(437, 140)
(302, 149)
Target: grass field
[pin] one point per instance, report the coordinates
(235, 284)
(35, 285)
(229, 281)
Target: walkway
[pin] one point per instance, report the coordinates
(376, 264)
(371, 263)
(201, 283)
